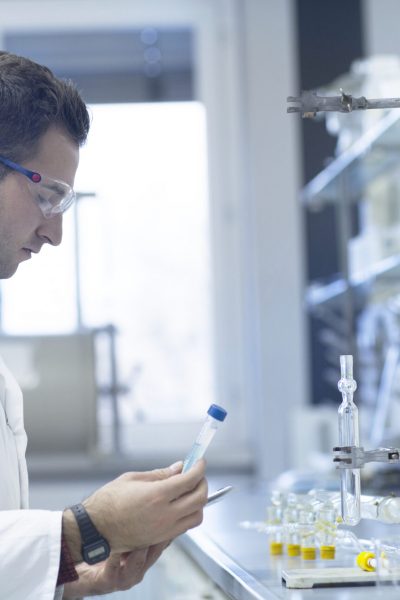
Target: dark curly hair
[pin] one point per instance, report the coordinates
(32, 99)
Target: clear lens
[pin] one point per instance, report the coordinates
(53, 197)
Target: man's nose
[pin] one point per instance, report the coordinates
(50, 230)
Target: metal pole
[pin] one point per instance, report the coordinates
(78, 296)
(114, 389)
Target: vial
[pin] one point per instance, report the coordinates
(215, 415)
(307, 532)
(291, 517)
(274, 518)
(326, 525)
(349, 435)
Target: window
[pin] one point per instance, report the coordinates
(183, 346)
(144, 244)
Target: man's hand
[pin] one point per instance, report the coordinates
(119, 572)
(139, 510)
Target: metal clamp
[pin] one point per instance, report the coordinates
(355, 457)
(309, 103)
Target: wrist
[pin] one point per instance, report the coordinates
(94, 546)
(72, 535)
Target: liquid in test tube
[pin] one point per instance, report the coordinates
(215, 415)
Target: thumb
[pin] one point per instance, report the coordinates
(113, 562)
(160, 474)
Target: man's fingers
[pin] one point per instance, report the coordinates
(192, 501)
(183, 483)
(155, 474)
(193, 520)
(144, 557)
(160, 474)
(135, 559)
(113, 562)
(154, 553)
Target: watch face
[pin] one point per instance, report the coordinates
(96, 552)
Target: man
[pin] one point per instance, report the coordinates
(109, 541)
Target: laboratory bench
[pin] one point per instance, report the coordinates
(238, 560)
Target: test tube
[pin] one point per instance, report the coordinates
(349, 435)
(215, 415)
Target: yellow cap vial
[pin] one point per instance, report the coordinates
(364, 561)
(327, 552)
(276, 548)
(293, 549)
(308, 553)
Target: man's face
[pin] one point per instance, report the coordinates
(23, 227)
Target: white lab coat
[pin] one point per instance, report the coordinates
(30, 540)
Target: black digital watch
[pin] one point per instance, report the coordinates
(95, 547)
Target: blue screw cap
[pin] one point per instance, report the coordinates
(217, 412)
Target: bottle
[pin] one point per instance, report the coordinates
(215, 416)
(349, 435)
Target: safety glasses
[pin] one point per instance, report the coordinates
(52, 196)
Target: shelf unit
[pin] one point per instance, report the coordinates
(376, 152)
(343, 184)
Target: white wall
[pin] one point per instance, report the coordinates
(273, 170)
(381, 26)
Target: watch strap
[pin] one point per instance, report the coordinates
(89, 533)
